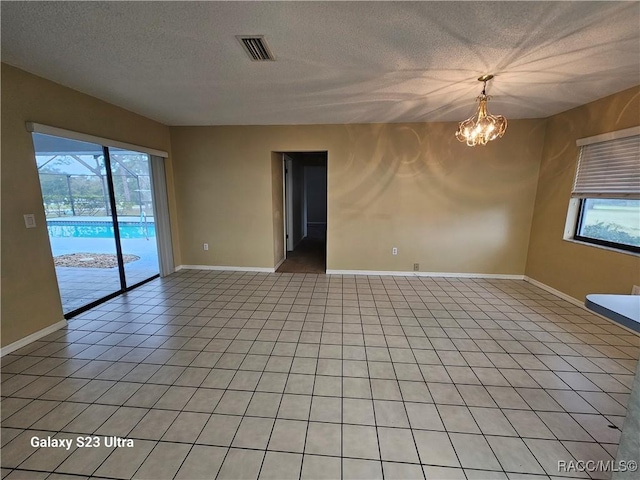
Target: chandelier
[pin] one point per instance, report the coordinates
(482, 127)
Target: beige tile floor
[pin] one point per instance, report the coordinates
(275, 376)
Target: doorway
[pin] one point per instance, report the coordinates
(100, 218)
(305, 212)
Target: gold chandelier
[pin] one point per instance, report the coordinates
(482, 127)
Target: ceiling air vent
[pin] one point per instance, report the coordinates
(256, 47)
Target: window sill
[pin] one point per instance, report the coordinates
(595, 245)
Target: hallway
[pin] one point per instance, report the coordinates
(310, 255)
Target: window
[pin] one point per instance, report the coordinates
(605, 207)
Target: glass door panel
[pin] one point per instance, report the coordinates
(131, 175)
(75, 193)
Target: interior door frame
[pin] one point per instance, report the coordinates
(288, 200)
(288, 203)
(304, 202)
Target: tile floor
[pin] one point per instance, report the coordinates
(276, 376)
(81, 286)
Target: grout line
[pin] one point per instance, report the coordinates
(249, 403)
(373, 404)
(411, 429)
(304, 446)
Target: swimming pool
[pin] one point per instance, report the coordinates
(99, 230)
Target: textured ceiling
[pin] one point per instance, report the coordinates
(337, 62)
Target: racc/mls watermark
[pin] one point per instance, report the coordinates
(597, 466)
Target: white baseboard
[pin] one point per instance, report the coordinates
(226, 267)
(503, 276)
(279, 263)
(574, 301)
(557, 293)
(12, 347)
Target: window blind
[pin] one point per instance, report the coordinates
(609, 169)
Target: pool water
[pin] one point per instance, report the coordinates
(101, 231)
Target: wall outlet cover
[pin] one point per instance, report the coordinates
(635, 290)
(30, 220)
(416, 267)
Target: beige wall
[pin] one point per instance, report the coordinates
(30, 298)
(577, 269)
(444, 205)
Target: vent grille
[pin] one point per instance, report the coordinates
(257, 48)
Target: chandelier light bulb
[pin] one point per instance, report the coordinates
(482, 127)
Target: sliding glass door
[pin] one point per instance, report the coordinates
(100, 222)
(131, 175)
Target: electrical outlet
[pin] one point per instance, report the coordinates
(394, 251)
(635, 290)
(205, 246)
(416, 267)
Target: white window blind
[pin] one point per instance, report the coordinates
(609, 169)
